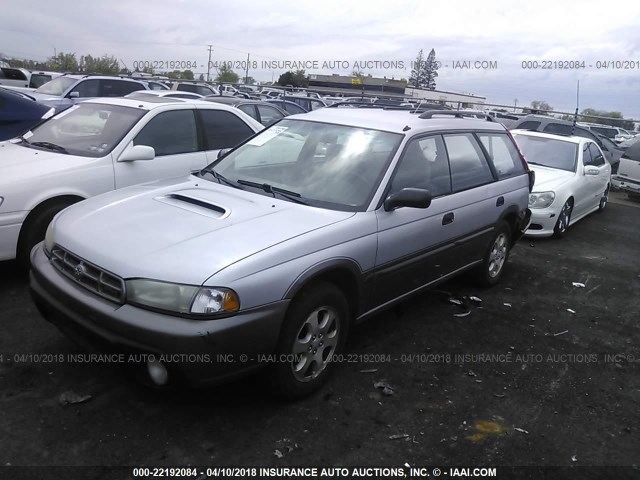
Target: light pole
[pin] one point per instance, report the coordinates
(515, 104)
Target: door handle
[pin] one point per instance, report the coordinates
(448, 218)
(500, 201)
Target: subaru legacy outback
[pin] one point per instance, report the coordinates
(275, 249)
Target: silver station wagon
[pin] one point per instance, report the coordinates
(267, 257)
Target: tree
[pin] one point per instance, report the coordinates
(297, 79)
(431, 70)
(615, 118)
(540, 105)
(417, 72)
(188, 75)
(226, 75)
(201, 77)
(63, 62)
(106, 64)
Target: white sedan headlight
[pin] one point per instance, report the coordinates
(541, 199)
(183, 299)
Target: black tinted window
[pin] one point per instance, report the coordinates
(170, 133)
(249, 110)
(469, 167)
(503, 154)
(529, 125)
(586, 155)
(596, 155)
(424, 164)
(87, 88)
(223, 129)
(118, 88)
(293, 108)
(12, 74)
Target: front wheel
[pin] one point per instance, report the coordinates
(563, 220)
(315, 329)
(495, 258)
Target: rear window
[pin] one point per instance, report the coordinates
(12, 74)
(529, 125)
(503, 154)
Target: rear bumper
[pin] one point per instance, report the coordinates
(524, 219)
(626, 184)
(195, 351)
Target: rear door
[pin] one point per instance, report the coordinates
(173, 134)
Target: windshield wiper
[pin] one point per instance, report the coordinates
(221, 178)
(24, 140)
(288, 194)
(50, 146)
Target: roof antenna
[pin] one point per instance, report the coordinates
(575, 115)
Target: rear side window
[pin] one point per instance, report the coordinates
(249, 110)
(170, 133)
(119, 88)
(557, 128)
(529, 125)
(503, 154)
(469, 167)
(223, 129)
(268, 115)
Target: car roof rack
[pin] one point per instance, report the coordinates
(424, 107)
(456, 113)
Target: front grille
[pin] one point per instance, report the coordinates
(89, 276)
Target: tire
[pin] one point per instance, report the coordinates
(604, 200)
(33, 231)
(313, 342)
(564, 218)
(490, 271)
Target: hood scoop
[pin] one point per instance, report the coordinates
(195, 204)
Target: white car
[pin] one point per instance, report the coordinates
(199, 88)
(628, 177)
(572, 180)
(101, 145)
(164, 94)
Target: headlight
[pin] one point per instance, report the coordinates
(541, 199)
(48, 239)
(183, 299)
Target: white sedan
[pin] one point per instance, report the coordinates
(572, 180)
(100, 145)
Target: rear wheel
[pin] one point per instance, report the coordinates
(315, 329)
(563, 219)
(495, 258)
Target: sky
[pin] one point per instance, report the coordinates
(589, 33)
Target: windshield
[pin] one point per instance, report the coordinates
(332, 166)
(57, 86)
(548, 152)
(87, 129)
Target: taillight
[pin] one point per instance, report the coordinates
(525, 165)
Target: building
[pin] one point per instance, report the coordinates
(465, 100)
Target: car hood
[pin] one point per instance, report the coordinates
(182, 231)
(548, 179)
(18, 163)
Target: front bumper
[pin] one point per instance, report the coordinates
(625, 184)
(543, 221)
(195, 351)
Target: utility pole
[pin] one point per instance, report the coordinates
(246, 72)
(209, 63)
(515, 104)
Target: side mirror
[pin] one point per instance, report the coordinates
(408, 197)
(223, 152)
(138, 152)
(591, 170)
(74, 95)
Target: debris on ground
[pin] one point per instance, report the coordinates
(461, 314)
(574, 458)
(455, 301)
(521, 430)
(475, 299)
(471, 373)
(70, 397)
(387, 389)
(278, 453)
(369, 370)
(571, 311)
(560, 333)
(399, 436)
(507, 304)
(499, 395)
(579, 285)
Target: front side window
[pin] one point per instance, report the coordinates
(249, 110)
(503, 154)
(548, 152)
(586, 155)
(424, 165)
(87, 88)
(268, 115)
(86, 129)
(596, 155)
(223, 129)
(170, 133)
(469, 167)
(331, 166)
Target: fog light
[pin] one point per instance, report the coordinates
(157, 372)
